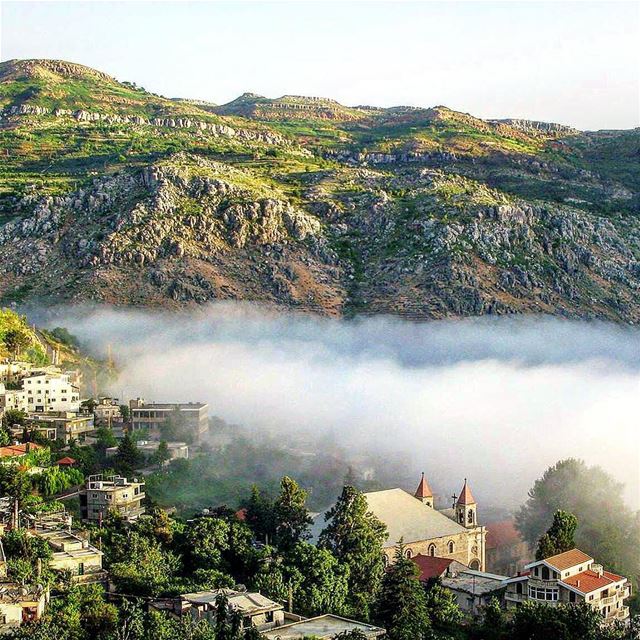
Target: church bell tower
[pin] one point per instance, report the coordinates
(466, 508)
(424, 493)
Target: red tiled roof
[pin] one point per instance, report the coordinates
(568, 559)
(66, 460)
(431, 566)
(423, 490)
(466, 497)
(502, 534)
(13, 450)
(241, 514)
(589, 581)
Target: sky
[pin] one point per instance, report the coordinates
(576, 63)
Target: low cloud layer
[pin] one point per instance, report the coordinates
(494, 400)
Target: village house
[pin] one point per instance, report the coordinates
(18, 450)
(569, 577)
(256, 610)
(18, 604)
(50, 392)
(192, 417)
(452, 533)
(102, 495)
(107, 411)
(60, 425)
(74, 554)
(324, 627)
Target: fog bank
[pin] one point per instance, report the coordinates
(495, 400)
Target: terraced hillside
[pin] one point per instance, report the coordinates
(108, 192)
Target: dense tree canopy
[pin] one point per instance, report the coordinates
(355, 536)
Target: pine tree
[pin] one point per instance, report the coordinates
(292, 518)
(559, 537)
(401, 607)
(128, 456)
(355, 536)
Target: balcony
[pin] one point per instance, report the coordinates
(607, 601)
(515, 597)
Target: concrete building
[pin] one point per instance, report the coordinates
(74, 554)
(473, 590)
(448, 533)
(507, 552)
(50, 392)
(149, 447)
(571, 577)
(107, 412)
(18, 604)
(256, 610)
(61, 425)
(324, 627)
(192, 418)
(102, 496)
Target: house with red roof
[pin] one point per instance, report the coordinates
(18, 450)
(506, 551)
(571, 577)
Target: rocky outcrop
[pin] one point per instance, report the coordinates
(535, 126)
(215, 129)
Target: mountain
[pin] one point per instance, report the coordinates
(111, 193)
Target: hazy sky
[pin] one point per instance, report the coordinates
(570, 62)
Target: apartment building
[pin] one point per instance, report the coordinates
(191, 418)
(103, 495)
(570, 577)
(61, 425)
(50, 392)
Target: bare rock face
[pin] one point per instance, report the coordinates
(187, 236)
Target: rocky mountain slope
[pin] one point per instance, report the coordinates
(111, 193)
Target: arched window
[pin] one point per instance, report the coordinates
(470, 516)
(545, 573)
(385, 560)
(432, 549)
(408, 553)
(475, 565)
(518, 587)
(451, 546)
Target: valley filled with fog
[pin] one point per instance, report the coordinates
(496, 400)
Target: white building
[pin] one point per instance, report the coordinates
(50, 392)
(571, 577)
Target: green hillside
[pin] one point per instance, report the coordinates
(110, 192)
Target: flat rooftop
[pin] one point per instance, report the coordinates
(323, 627)
(474, 582)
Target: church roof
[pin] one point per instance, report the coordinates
(408, 518)
(423, 490)
(466, 497)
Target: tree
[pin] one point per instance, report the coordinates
(124, 412)
(355, 536)
(128, 456)
(442, 608)
(292, 518)
(401, 607)
(161, 454)
(105, 438)
(559, 537)
(260, 515)
(14, 483)
(89, 404)
(313, 578)
(16, 340)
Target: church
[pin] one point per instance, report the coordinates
(452, 533)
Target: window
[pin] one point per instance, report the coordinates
(451, 546)
(538, 593)
(518, 587)
(572, 596)
(545, 573)
(432, 550)
(385, 560)
(408, 553)
(470, 516)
